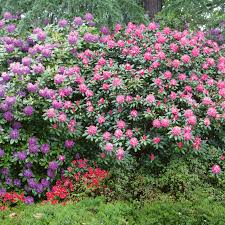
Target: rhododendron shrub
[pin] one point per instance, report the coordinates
(32, 151)
(140, 90)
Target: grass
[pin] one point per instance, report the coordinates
(98, 212)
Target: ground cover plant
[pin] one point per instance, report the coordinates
(139, 96)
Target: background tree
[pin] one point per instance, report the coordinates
(152, 7)
(107, 12)
(207, 15)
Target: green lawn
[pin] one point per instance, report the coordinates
(98, 212)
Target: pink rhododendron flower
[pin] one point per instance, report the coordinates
(180, 145)
(188, 113)
(58, 79)
(187, 129)
(176, 131)
(129, 133)
(192, 120)
(121, 124)
(147, 56)
(92, 130)
(222, 92)
(62, 117)
(106, 136)
(185, 58)
(197, 143)
(173, 82)
(216, 169)
(165, 122)
(156, 140)
(174, 47)
(207, 101)
(129, 98)
(182, 76)
(133, 142)
(118, 133)
(61, 157)
(158, 81)
(82, 88)
(89, 93)
(176, 63)
(101, 120)
(134, 113)
(156, 123)
(212, 112)
(168, 75)
(120, 99)
(173, 95)
(105, 86)
(195, 52)
(150, 98)
(187, 136)
(51, 113)
(152, 26)
(109, 147)
(151, 156)
(106, 75)
(120, 154)
(67, 104)
(117, 82)
(207, 122)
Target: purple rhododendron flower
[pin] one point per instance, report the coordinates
(78, 21)
(2, 153)
(29, 200)
(45, 182)
(22, 155)
(27, 173)
(14, 134)
(8, 116)
(16, 125)
(8, 181)
(88, 17)
(11, 28)
(7, 16)
(51, 173)
(45, 148)
(2, 191)
(17, 182)
(28, 110)
(62, 23)
(53, 165)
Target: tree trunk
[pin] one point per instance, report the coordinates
(152, 7)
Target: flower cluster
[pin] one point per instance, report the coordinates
(9, 198)
(77, 179)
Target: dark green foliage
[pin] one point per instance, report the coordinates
(177, 179)
(107, 12)
(180, 179)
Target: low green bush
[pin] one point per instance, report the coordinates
(177, 179)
